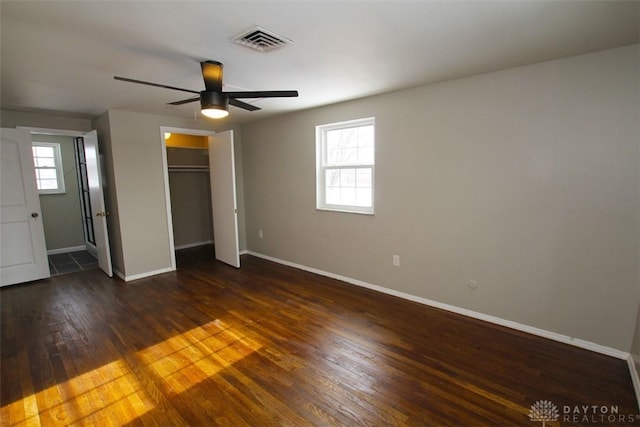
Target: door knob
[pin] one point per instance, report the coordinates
(34, 214)
(100, 214)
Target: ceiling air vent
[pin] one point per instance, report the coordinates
(258, 38)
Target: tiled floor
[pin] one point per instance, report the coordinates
(71, 262)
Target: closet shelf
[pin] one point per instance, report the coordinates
(188, 168)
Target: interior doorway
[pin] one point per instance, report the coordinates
(74, 218)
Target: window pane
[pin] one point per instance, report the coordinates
(47, 174)
(365, 155)
(48, 162)
(363, 178)
(43, 151)
(332, 178)
(363, 197)
(365, 136)
(348, 196)
(48, 184)
(349, 156)
(333, 196)
(349, 146)
(350, 137)
(347, 178)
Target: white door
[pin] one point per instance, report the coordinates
(23, 252)
(223, 198)
(96, 196)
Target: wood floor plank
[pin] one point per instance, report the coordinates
(269, 345)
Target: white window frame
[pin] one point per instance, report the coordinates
(57, 159)
(322, 167)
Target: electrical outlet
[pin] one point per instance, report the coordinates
(396, 260)
(260, 234)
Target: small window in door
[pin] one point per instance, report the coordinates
(47, 161)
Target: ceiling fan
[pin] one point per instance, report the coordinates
(213, 100)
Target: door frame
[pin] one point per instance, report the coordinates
(59, 132)
(73, 133)
(165, 175)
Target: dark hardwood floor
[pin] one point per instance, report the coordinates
(268, 345)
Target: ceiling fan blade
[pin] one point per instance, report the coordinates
(244, 105)
(125, 79)
(184, 101)
(264, 94)
(212, 74)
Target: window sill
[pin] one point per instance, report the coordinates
(347, 211)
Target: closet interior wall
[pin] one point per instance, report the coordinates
(190, 187)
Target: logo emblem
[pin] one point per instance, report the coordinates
(545, 411)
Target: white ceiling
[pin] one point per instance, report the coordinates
(62, 56)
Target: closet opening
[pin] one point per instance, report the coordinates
(190, 195)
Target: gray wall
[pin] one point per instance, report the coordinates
(48, 119)
(61, 214)
(525, 180)
(190, 196)
(133, 157)
(191, 208)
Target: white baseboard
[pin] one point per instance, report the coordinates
(91, 249)
(193, 245)
(66, 250)
(635, 378)
(587, 345)
(141, 275)
(119, 274)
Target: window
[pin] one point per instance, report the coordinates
(345, 166)
(48, 166)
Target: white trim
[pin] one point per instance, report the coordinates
(185, 131)
(244, 252)
(167, 196)
(57, 166)
(322, 167)
(50, 131)
(77, 133)
(92, 249)
(142, 275)
(165, 178)
(66, 250)
(587, 345)
(119, 274)
(635, 378)
(193, 245)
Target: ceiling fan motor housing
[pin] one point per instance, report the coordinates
(218, 100)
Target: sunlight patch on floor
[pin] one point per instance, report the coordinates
(113, 395)
(108, 395)
(190, 358)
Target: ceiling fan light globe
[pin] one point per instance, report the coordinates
(214, 113)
